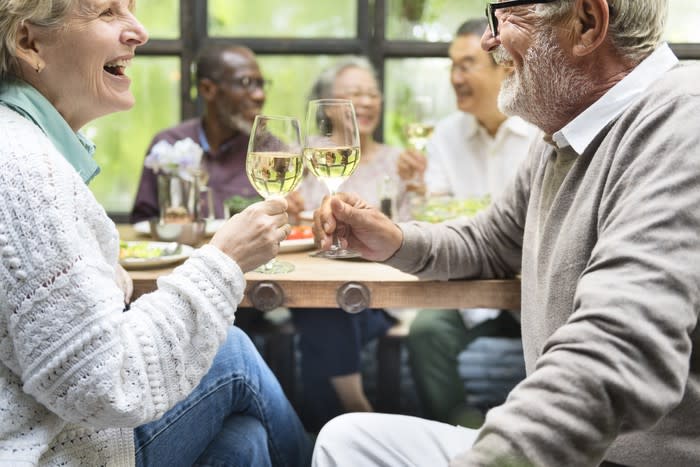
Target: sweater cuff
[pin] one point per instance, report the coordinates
(221, 270)
(414, 247)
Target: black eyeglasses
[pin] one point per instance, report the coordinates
(249, 83)
(491, 8)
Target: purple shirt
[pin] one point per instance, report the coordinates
(226, 169)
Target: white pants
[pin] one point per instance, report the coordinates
(371, 439)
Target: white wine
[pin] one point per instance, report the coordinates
(417, 134)
(274, 173)
(332, 165)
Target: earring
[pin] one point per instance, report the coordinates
(38, 67)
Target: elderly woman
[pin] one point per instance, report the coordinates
(169, 381)
(330, 339)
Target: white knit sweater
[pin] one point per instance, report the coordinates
(76, 373)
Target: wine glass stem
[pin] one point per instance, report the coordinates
(335, 243)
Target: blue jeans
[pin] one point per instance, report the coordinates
(238, 415)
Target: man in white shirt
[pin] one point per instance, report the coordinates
(473, 152)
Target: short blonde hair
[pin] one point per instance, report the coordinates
(14, 13)
(636, 27)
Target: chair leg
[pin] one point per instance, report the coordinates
(389, 374)
(279, 355)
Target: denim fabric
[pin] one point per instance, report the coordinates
(238, 415)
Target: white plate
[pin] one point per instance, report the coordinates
(143, 227)
(289, 246)
(182, 253)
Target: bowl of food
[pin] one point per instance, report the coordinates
(442, 208)
(188, 233)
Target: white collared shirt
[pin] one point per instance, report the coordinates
(464, 160)
(581, 131)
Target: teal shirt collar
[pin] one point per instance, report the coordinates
(28, 102)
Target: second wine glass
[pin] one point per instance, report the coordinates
(274, 165)
(332, 151)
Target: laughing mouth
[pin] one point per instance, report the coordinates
(117, 67)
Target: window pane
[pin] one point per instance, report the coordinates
(122, 138)
(436, 20)
(407, 78)
(292, 77)
(282, 18)
(160, 17)
(429, 20)
(683, 19)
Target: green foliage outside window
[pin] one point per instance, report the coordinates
(283, 18)
(429, 20)
(292, 77)
(122, 138)
(161, 17)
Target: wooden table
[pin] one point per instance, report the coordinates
(315, 283)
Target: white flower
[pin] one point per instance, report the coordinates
(182, 158)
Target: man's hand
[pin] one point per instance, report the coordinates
(359, 227)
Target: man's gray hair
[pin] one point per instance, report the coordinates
(323, 87)
(636, 26)
(14, 13)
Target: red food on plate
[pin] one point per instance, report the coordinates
(300, 232)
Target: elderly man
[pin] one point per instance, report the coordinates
(602, 221)
(231, 85)
(473, 152)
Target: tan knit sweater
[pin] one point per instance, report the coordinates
(610, 291)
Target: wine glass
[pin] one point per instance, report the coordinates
(419, 129)
(420, 122)
(332, 152)
(274, 165)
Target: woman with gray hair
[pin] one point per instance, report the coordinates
(82, 380)
(330, 339)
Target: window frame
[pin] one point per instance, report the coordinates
(370, 40)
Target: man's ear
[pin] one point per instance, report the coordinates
(207, 89)
(592, 18)
(27, 48)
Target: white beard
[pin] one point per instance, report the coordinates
(232, 121)
(241, 123)
(547, 89)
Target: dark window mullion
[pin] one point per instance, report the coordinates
(289, 46)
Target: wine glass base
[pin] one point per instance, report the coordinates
(275, 267)
(340, 253)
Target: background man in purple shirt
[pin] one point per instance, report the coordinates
(231, 85)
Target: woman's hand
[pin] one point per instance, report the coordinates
(359, 226)
(295, 204)
(252, 237)
(124, 282)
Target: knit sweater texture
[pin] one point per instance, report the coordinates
(610, 290)
(77, 374)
